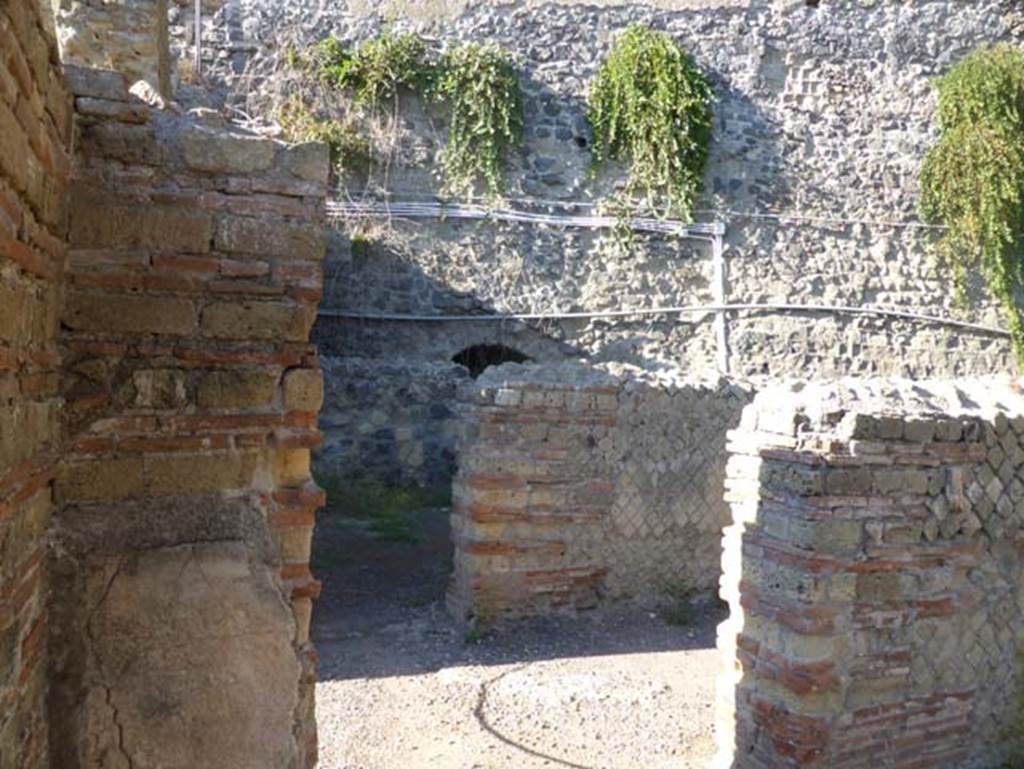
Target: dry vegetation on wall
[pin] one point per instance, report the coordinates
(475, 84)
(973, 180)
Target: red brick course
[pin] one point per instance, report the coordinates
(176, 342)
(846, 593)
(34, 170)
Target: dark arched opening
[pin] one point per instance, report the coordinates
(481, 356)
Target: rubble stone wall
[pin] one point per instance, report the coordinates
(823, 126)
(578, 484)
(35, 125)
(400, 431)
(181, 590)
(874, 572)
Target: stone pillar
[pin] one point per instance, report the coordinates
(873, 571)
(128, 36)
(581, 483)
(527, 487)
(182, 589)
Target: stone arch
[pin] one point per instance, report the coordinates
(479, 357)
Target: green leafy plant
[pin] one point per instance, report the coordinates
(477, 84)
(650, 104)
(986, 85)
(375, 70)
(360, 246)
(972, 180)
(480, 87)
(391, 512)
(677, 608)
(482, 624)
(326, 62)
(349, 150)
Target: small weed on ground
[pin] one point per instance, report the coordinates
(390, 512)
(677, 608)
(481, 625)
(421, 600)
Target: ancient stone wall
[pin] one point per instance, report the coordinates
(824, 127)
(128, 36)
(578, 484)
(400, 432)
(181, 587)
(35, 126)
(874, 571)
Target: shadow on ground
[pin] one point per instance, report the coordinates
(402, 686)
(382, 611)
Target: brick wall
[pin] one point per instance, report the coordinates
(34, 133)
(182, 589)
(579, 484)
(874, 572)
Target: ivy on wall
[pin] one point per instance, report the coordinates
(972, 180)
(650, 104)
(376, 69)
(480, 87)
(477, 84)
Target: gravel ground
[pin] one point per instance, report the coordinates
(403, 687)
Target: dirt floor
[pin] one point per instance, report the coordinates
(403, 687)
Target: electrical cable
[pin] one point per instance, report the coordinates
(686, 309)
(355, 210)
(708, 231)
(718, 213)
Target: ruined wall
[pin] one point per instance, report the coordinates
(874, 572)
(811, 122)
(181, 590)
(578, 484)
(410, 364)
(35, 126)
(127, 36)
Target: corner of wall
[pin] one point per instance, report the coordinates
(34, 171)
(873, 569)
(181, 547)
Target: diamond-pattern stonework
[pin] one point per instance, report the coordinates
(578, 484)
(874, 571)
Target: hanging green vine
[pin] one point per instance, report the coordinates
(477, 84)
(480, 87)
(972, 181)
(650, 104)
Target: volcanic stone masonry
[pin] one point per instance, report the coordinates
(809, 119)
(874, 575)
